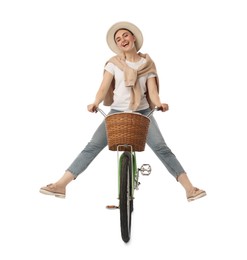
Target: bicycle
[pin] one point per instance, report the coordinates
(126, 134)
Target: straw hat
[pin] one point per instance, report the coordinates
(123, 25)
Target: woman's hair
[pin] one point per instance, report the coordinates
(122, 29)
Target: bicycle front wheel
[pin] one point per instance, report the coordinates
(126, 196)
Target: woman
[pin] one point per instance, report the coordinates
(130, 82)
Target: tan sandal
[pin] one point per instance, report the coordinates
(51, 189)
(196, 194)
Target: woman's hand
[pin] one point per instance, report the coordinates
(92, 108)
(163, 107)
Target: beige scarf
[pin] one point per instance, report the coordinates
(131, 79)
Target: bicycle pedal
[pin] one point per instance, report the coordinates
(145, 169)
(112, 207)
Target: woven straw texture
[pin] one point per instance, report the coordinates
(127, 129)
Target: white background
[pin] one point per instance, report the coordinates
(52, 55)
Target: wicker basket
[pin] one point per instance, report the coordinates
(127, 128)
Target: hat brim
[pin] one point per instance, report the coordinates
(123, 25)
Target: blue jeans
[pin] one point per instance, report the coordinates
(155, 141)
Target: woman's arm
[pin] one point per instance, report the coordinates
(105, 84)
(154, 95)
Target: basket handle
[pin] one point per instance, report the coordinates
(148, 115)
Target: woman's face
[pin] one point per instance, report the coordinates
(125, 40)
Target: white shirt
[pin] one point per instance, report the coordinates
(122, 94)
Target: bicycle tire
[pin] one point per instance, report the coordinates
(125, 197)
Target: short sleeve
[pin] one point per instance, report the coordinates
(110, 68)
(151, 75)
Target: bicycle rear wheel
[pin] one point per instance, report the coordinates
(126, 196)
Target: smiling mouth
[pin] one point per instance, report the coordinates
(125, 45)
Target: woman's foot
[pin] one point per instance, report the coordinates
(53, 189)
(195, 194)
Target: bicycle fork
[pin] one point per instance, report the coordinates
(145, 170)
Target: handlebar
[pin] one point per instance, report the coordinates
(152, 111)
(101, 111)
(148, 115)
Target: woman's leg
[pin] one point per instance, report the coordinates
(157, 143)
(92, 149)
